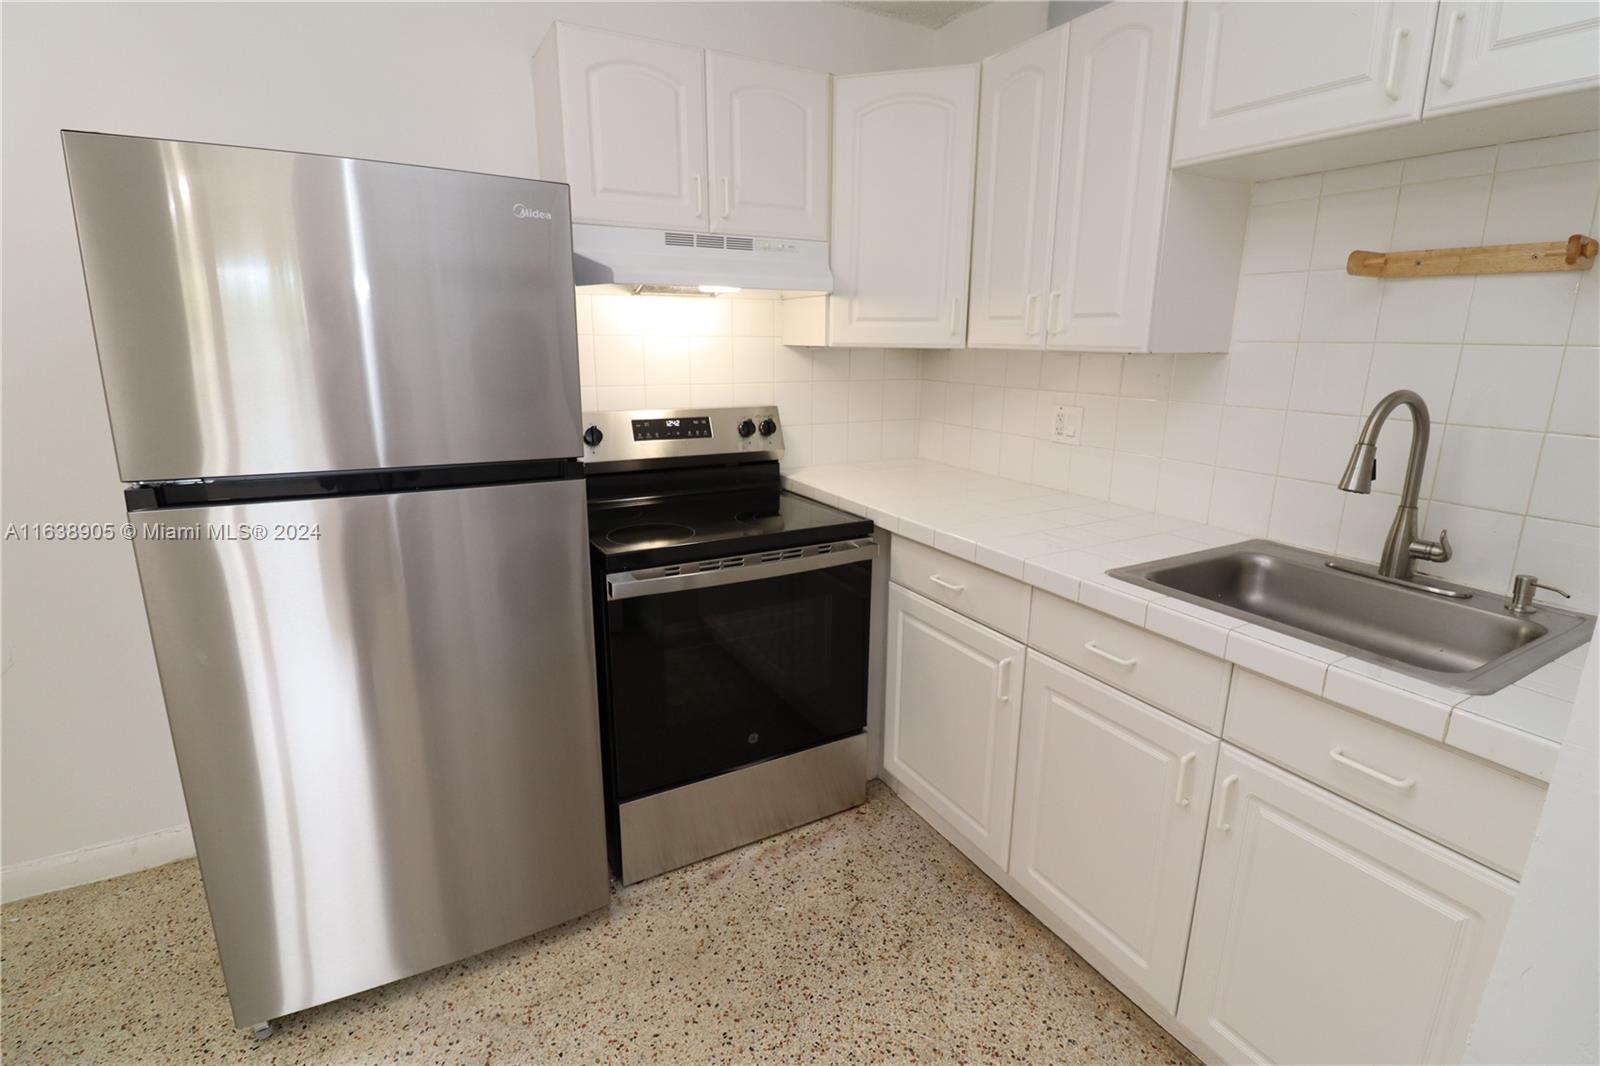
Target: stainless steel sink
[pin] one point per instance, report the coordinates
(1471, 644)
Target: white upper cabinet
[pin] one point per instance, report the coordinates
(1492, 53)
(630, 132)
(664, 135)
(1143, 260)
(951, 709)
(1019, 125)
(768, 142)
(903, 149)
(1258, 76)
(1083, 238)
(1323, 933)
(1110, 820)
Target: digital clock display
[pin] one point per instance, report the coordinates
(686, 428)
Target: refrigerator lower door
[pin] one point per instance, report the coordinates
(385, 720)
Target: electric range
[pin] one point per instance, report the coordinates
(732, 627)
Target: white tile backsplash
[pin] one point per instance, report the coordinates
(1255, 438)
(1505, 386)
(1577, 405)
(836, 405)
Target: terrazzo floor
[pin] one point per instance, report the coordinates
(861, 938)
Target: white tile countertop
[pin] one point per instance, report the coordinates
(1064, 543)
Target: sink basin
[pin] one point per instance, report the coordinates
(1472, 644)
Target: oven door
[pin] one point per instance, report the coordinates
(715, 669)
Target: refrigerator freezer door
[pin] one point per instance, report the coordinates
(264, 312)
(388, 736)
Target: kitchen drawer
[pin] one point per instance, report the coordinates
(976, 591)
(1478, 810)
(1188, 683)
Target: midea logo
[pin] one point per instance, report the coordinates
(524, 211)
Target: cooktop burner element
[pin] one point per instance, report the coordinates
(760, 520)
(649, 533)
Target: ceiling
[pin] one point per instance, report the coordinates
(929, 13)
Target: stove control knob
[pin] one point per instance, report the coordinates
(746, 428)
(592, 436)
(768, 427)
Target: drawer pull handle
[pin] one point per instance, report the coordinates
(1403, 784)
(942, 583)
(1223, 825)
(1003, 681)
(1126, 664)
(1184, 765)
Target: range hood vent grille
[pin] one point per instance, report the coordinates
(672, 259)
(708, 240)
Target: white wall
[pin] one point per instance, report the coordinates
(1542, 1004)
(1255, 439)
(87, 759)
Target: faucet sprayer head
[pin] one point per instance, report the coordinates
(1363, 467)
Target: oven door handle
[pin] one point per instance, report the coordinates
(630, 585)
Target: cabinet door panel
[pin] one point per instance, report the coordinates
(1019, 125)
(1323, 933)
(902, 207)
(634, 113)
(1264, 75)
(951, 717)
(768, 144)
(1110, 819)
(1493, 53)
(1122, 63)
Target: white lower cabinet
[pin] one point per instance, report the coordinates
(1110, 820)
(950, 718)
(1323, 933)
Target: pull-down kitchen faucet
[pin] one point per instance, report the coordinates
(1402, 548)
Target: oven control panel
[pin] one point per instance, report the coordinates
(637, 438)
(683, 427)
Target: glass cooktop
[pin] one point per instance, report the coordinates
(630, 536)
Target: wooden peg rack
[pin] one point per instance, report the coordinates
(1577, 252)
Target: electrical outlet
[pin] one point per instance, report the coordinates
(1066, 425)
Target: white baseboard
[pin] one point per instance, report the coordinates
(53, 872)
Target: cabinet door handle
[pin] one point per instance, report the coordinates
(1126, 664)
(1185, 766)
(942, 583)
(1029, 306)
(955, 315)
(1050, 313)
(1003, 681)
(1223, 825)
(1391, 84)
(699, 197)
(1403, 784)
(1447, 69)
(727, 199)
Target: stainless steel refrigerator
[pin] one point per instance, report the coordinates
(344, 397)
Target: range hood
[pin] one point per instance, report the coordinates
(679, 260)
